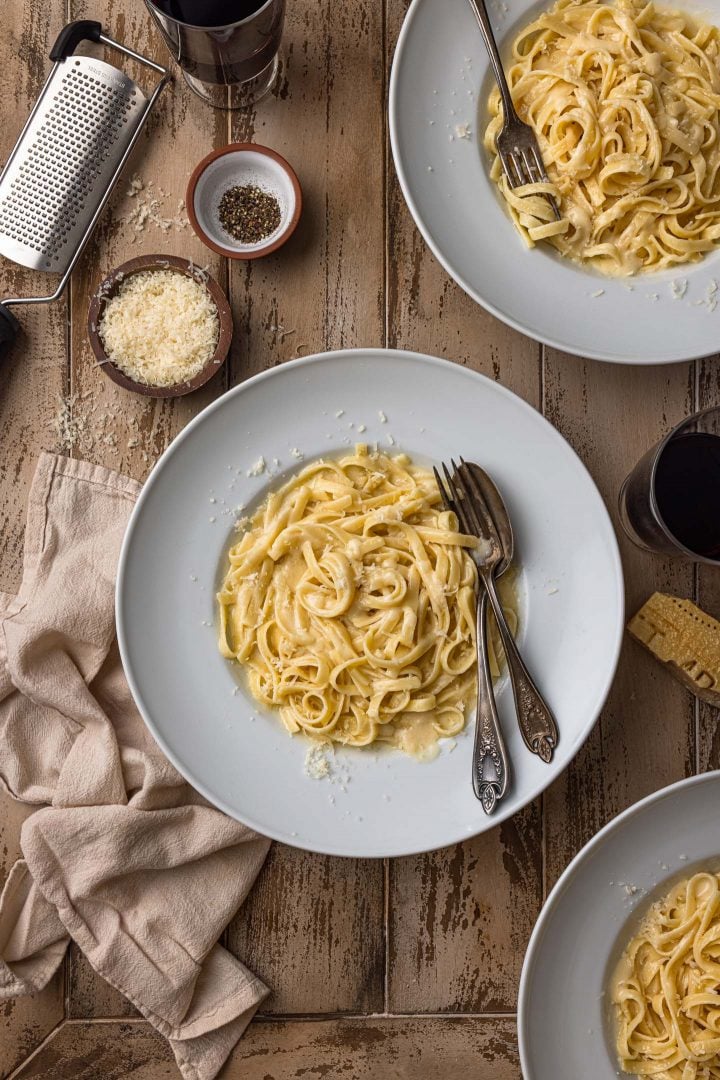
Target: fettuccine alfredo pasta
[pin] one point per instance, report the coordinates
(666, 991)
(624, 98)
(349, 600)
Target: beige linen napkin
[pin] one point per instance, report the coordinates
(123, 856)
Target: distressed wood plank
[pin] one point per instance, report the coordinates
(366, 1049)
(89, 997)
(427, 311)
(115, 428)
(708, 588)
(33, 373)
(312, 929)
(32, 378)
(26, 1021)
(611, 415)
(102, 1050)
(323, 289)
(459, 919)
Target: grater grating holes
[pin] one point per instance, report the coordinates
(79, 132)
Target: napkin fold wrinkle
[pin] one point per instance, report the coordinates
(122, 856)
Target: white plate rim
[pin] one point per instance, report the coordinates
(504, 811)
(446, 263)
(561, 885)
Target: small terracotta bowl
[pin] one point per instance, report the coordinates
(109, 288)
(237, 165)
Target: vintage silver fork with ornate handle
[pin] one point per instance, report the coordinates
(516, 142)
(490, 763)
(535, 720)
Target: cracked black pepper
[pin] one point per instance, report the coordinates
(248, 213)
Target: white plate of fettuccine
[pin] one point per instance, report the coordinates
(620, 977)
(625, 100)
(230, 726)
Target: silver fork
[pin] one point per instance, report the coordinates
(535, 720)
(516, 142)
(489, 753)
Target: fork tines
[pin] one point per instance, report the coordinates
(520, 157)
(461, 494)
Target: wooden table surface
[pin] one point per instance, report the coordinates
(409, 967)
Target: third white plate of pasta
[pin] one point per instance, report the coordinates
(622, 973)
(296, 607)
(625, 100)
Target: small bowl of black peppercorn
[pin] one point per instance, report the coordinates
(244, 201)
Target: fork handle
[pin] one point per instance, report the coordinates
(481, 14)
(489, 745)
(536, 722)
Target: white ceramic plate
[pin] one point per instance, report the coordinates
(195, 705)
(440, 78)
(565, 1025)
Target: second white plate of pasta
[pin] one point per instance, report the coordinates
(621, 974)
(626, 100)
(283, 582)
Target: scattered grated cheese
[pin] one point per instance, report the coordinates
(317, 765)
(160, 328)
(148, 206)
(294, 452)
(258, 468)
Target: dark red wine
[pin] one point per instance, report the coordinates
(209, 12)
(687, 491)
(202, 36)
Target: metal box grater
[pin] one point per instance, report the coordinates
(67, 159)
(65, 162)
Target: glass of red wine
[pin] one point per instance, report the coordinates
(227, 49)
(670, 502)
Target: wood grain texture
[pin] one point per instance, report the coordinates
(646, 738)
(32, 378)
(459, 919)
(312, 929)
(324, 288)
(102, 1051)
(426, 310)
(34, 371)
(24, 1022)
(376, 1048)
(88, 996)
(115, 428)
(708, 587)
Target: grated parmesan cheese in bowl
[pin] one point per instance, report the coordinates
(160, 326)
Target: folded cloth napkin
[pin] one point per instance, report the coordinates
(124, 857)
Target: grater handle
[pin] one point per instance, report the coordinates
(9, 327)
(71, 35)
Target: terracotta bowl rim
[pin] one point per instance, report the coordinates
(232, 253)
(108, 287)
